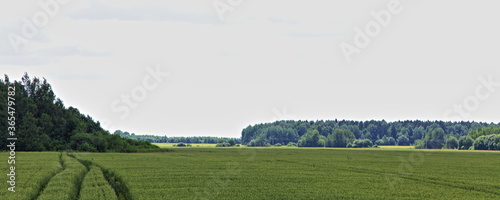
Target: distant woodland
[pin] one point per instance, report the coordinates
(166, 139)
(357, 134)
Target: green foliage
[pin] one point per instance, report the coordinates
(340, 138)
(224, 144)
(487, 142)
(451, 142)
(231, 142)
(362, 143)
(291, 144)
(95, 186)
(44, 124)
(434, 139)
(310, 139)
(434, 134)
(277, 145)
(403, 140)
(465, 142)
(165, 139)
(420, 144)
(475, 133)
(181, 144)
(386, 141)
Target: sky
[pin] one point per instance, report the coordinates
(213, 67)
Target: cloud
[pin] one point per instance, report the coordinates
(47, 56)
(25, 60)
(311, 34)
(76, 74)
(9, 33)
(282, 21)
(61, 51)
(99, 11)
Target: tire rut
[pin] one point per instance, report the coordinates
(47, 180)
(414, 177)
(121, 190)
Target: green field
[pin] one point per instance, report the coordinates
(170, 145)
(261, 173)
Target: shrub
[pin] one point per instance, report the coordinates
(487, 142)
(465, 142)
(224, 144)
(362, 143)
(231, 142)
(292, 144)
(181, 144)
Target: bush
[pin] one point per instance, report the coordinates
(231, 142)
(420, 144)
(465, 142)
(487, 142)
(291, 144)
(87, 147)
(361, 143)
(224, 144)
(277, 145)
(257, 143)
(181, 144)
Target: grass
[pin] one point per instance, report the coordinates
(396, 147)
(95, 186)
(33, 172)
(315, 173)
(66, 184)
(170, 145)
(261, 173)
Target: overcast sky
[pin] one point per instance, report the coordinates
(186, 68)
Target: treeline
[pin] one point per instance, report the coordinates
(43, 123)
(348, 133)
(165, 139)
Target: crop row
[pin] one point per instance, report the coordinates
(33, 172)
(247, 173)
(66, 184)
(95, 186)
